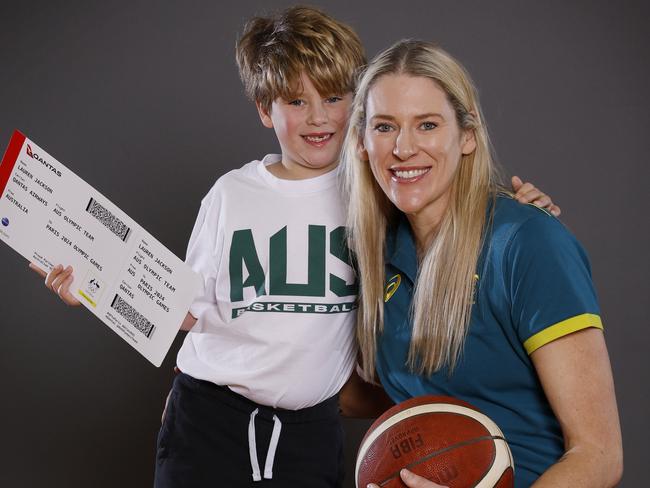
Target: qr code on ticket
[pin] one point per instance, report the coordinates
(110, 221)
(135, 318)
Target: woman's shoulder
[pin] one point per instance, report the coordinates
(526, 226)
(510, 211)
(509, 216)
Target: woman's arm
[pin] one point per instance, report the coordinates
(577, 378)
(361, 399)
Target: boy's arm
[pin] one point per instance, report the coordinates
(188, 322)
(527, 193)
(361, 399)
(58, 280)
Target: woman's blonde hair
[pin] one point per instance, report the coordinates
(445, 284)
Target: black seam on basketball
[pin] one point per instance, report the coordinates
(440, 451)
(490, 466)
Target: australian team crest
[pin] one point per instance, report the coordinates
(391, 286)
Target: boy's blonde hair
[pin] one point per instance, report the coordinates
(273, 51)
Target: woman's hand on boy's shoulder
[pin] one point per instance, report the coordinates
(528, 193)
(58, 280)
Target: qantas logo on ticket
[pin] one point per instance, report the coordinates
(35, 156)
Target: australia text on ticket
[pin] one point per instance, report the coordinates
(123, 275)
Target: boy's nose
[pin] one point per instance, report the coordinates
(318, 115)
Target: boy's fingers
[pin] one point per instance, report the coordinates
(52, 275)
(524, 190)
(64, 292)
(555, 210)
(543, 202)
(65, 285)
(58, 280)
(38, 269)
(516, 183)
(58, 283)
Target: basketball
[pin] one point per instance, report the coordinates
(443, 439)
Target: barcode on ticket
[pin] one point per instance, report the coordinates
(110, 221)
(133, 317)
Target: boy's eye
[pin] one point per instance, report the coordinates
(382, 127)
(297, 102)
(333, 99)
(428, 125)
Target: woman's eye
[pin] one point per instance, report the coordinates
(382, 127)
(428, 125)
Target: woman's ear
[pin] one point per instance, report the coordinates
(265, 115)
(468, 141)
(362, 154)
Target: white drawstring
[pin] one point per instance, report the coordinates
(252, 446)
(273, 445)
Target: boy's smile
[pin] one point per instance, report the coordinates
(318, 139)
(310, 129)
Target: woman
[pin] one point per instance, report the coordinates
(464, 291)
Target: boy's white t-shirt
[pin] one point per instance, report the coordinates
(276, 316)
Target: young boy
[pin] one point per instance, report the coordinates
(271, 337)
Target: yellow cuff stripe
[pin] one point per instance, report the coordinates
(561, 329)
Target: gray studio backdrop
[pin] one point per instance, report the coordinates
(142, 99)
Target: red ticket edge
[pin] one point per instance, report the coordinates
(10, 157)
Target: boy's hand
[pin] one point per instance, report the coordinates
(58, 280)
(527, 193)
(412, 480)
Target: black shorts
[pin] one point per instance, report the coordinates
(212, 437)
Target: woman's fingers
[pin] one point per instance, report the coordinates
(412, 480)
